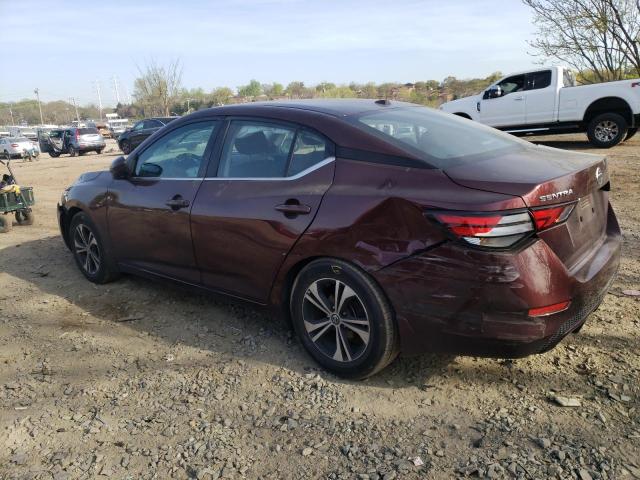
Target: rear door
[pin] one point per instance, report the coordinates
(540, 97)
(148, 213)
(256, 202)
(507, 110)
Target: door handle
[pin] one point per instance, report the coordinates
(293, 209)
(177, 202)
(517, 99)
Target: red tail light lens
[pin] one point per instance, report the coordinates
(548, 217)
(14, 145)
(494, 230)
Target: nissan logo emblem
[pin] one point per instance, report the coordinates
(599, 175)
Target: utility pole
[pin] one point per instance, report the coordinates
(99, 98)
(11, 113)
(126, 94)
(115, 87)
(73, 100)
(37, 92)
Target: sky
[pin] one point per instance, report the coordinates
(64, 48)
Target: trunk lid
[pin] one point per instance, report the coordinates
(544, 177)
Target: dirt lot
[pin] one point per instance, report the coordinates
(142, 380)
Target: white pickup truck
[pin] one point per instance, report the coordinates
(547, 101)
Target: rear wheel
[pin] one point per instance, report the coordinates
(72, 151)
(99, 151)
(89, 251)
(630, 133)
(6, 223)
(125, 146)
(7, 155)
(607, 130)
(343, 319)
(24, 218)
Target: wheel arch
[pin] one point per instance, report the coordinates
(66, 215)
(463, 115)
(609, 105)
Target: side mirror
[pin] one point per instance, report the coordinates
(493, 92)
(119, 168)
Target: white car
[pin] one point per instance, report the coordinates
(547, 101)
(18, 147)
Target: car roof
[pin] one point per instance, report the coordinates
(334, 107)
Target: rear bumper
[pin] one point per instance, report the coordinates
(476, 303)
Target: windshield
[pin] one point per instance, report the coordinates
(440, 139)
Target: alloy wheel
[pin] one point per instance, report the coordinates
(86, 248)
(336, 320)
(606, 131)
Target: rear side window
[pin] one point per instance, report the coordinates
(441, 140)
(568, 80)
(309, 149)
(256, 150)
(538, 80)
(87, 131)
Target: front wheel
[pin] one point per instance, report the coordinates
(5, 223)
(54, 154)
(99, 151)
(607, 130)
(72, 151)
(125, 146)
(343, 319)
(89, 251)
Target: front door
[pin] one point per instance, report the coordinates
(507, 110)
(149, 212)
(266, 191)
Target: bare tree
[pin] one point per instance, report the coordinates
(596, 37)
(158, 86)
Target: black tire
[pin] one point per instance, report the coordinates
(6, 155)
(104, 269)
(99, 151)
(321, 328)
(6, 223)
(125, 146)
(630, 133)
(24, 218)
(72, 151)
(54, 154)
(81, 152)
(607, 130)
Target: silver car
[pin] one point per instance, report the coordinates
(18, 147)
(74, 141)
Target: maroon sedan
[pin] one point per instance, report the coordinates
(378, 227)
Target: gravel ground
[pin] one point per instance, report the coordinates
(137, 379)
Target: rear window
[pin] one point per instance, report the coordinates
(166, 120)
(87, 131)
(440, 139)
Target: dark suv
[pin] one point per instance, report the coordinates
(133, 137)
(74, 141)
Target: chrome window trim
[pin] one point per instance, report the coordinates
(307, 171)
(301, 174)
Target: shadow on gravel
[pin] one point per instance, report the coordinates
(181, 317)
(565, 144)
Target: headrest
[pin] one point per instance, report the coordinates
(252, 144)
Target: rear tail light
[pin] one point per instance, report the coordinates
(14, 145)
(501, 229)
(548, 217)
(495, 230)
(77, 135)
(549, 309)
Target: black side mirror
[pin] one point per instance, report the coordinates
(493, 92)
(119, 168)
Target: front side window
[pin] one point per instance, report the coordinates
(512, 84)
(538, 80)
(178, 154)
(256, 150)
(442, 140)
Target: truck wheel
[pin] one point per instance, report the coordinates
(630, 133)
(6, 222)
(607, 130)
(72, 151)
(24, 217)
